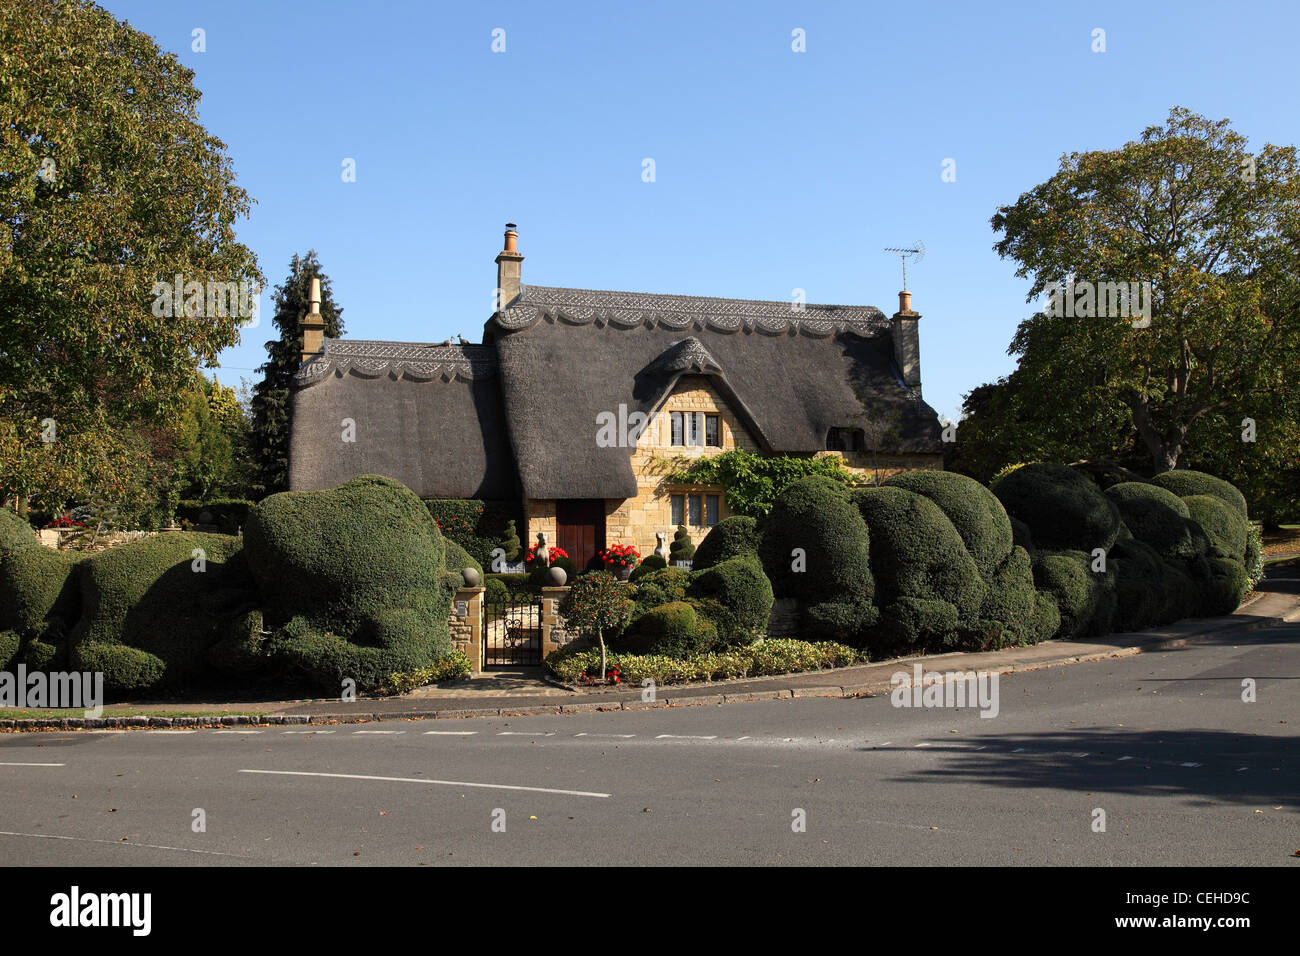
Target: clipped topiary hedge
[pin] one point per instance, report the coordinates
(650, 564)
(973, 510)
(456, 558)
(1085, 598)
(15, 533)
(351, 580)
(475, 524)
(731, 537)
(1155, 517)
(1139, 584)
(1184, 483)
(151, 609)
(1228, 531)
(1009, 598)
(814, 544)
(36, 584)
(743, 597)
(673, 629)
(1061, 507)
(916, 553)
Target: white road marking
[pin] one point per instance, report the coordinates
(378, 731)
(620, 736)
(308, 731)
(1018, 750)
(741, 738)
(686, 737)
(1240, 769)
(151, 846)
(923, 745)
(238, 731)
(443, 783)
(886, 743)
(177, 731)
(1189, 764)
(7, 763)
(451, 733)
(1125, 758)
(522, 733)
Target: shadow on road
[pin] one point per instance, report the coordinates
(1179, 763)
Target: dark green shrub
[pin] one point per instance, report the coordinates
(495, 591)
(1254, 555)
(476, 525)
(1047, 618)
(1228, 531)
(674, 630)
(1139, 584)
(837, 621)
(913, 622)
(15, 532)
(362, 561)
(243, 648)
(1063, 509)
(731, 537)
(1228, 587)
(744, 596)
(917, 553)
(1182, 596)
(1156, 517)
(1009, 599)
(597, 603)
(513, 583)
(815, 516)
(1021, 536)
(660, 587)
(456, 558)
(10, 641)
(1085, 598)
(652, 563)
(167, 598)
(1184, 483)
(37, 584)
(682, 548)
(973, 510)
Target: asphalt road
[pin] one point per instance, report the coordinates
(1186, 772)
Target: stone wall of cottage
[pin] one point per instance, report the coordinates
(636, 520)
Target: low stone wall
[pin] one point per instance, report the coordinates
(784, 622)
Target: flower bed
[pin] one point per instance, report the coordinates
(766, 658)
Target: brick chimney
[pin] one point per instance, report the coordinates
(508, 268)
(907, 342)
(313, 325)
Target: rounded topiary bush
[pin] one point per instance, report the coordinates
(814, 544)
(1156, 517)
(973, 510)
(1139, 584)
(168, 597)
(1061, 507)
(839, 621)
(1009, 599)
(912, 622)
(660, 587)
(1227, 530)
(344, 561)
(682, 548)
(1228, 587)
(673, 629)
(918, 554)
(1185, 483)
(731, 537)
(650, 564)
(37, 584)
(1046, 622)
(743, 594)
(15, 532)
(1085, 598)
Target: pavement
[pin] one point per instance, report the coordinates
(526, 692)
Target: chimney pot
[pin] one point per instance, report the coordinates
(315, 295)
(509, 279)
(905, 302)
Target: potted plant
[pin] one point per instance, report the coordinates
(556, 553)
(620, 559)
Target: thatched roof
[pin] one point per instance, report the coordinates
(519, 413)
(428, 415)
(567, 355)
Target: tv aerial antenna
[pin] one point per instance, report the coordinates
(917, 254)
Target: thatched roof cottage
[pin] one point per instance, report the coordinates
(576, 398)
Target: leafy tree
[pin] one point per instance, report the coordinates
(597, 602)
(210, 443)
(109, 187)
(270, 404)
(1214, 229)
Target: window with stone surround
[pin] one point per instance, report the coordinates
(696, 510)
(685, 429)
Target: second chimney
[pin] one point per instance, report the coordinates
(313, 325)
(509, 283)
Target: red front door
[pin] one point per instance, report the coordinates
(580, 530)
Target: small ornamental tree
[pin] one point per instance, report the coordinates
(510, 543)
(682, 548)
(597, 602)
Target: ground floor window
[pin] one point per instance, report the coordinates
(698, 510)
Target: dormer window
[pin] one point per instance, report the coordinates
(845, 439)
(686, 429)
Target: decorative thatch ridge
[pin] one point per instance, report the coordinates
(410, 360)
(688, 355)
(631, 310)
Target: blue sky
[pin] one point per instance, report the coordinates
(774, 170)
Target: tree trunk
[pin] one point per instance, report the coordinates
(600, 636)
